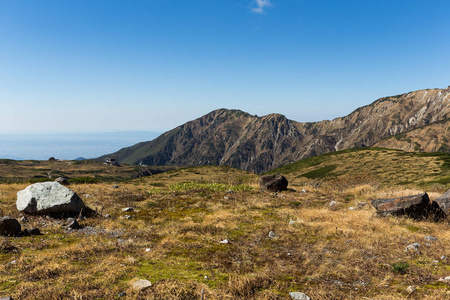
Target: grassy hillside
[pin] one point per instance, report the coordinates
(374, 166)
(172, 237)
(87, 171)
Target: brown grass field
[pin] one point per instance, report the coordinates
(182, 215)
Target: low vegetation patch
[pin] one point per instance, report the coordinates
(210, 232)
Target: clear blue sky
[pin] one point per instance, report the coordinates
(112, 65)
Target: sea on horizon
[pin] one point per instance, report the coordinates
(70, 146)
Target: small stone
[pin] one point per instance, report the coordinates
(23, 220)
(123, 294)
(107, 216)
(128, 217)
(352, 208)
(115, 186)
(72, 224)
(291, 222)
(443, 257)
(141, 285)
(271, 234)
(412, 247)
(127, 209)
(13, 262)
(303, 190)
(431, 238)
(7, 298)
(148, 250)
(226, 198)
(206, 277)
(225, 241)
(230, 191)
(299, 296)
(410, 289)
(445, 280)
(33, 231)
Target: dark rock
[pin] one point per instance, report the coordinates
(72, 224)
(416, 206)
(123, 294)
(444, 202)
(273, 183)
(9, 226)
(7, 298)
(33, 231)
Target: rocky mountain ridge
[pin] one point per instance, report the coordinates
(238, 139)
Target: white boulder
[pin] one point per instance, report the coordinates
(48, 198)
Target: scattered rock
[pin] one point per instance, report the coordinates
(444, 202)
(352, 208)
(271, 234)
(148, 250)
(292, 222)
(431, 238)
(123, 294)
(62, 180)
(443, 257)
(361, 204)
(127, 209)
(9, 226)
(299, 296)
(303, 190)
(226, 198)
(32, 231)
(115, 186)
(72, 224)
(230, 191)
(273, 183)
(141, 285)
(7, 298)
(107, 216)
(413, 247)
(23, 219)
(225, 241)
(48, 198)
(13, 262)
(127, 217)
(410, 289)
(416, 206)
(445, 280)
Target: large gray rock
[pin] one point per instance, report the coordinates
(273, 183)
(444, 202)
(416, 206)
(9, 226)
(49, 198)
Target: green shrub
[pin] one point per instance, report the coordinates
(400, 267)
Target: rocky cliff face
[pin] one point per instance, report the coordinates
(238, 139)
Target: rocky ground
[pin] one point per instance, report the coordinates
(211, 233)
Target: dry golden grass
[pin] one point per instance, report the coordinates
(327, 253)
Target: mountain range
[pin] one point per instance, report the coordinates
(414, 121)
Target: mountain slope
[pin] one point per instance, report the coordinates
(238, 139)
(431, 138)
(371, 165)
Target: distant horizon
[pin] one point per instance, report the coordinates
(68, 146)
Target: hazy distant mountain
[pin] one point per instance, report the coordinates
(238, 139)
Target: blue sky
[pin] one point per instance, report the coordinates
(118, 65)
